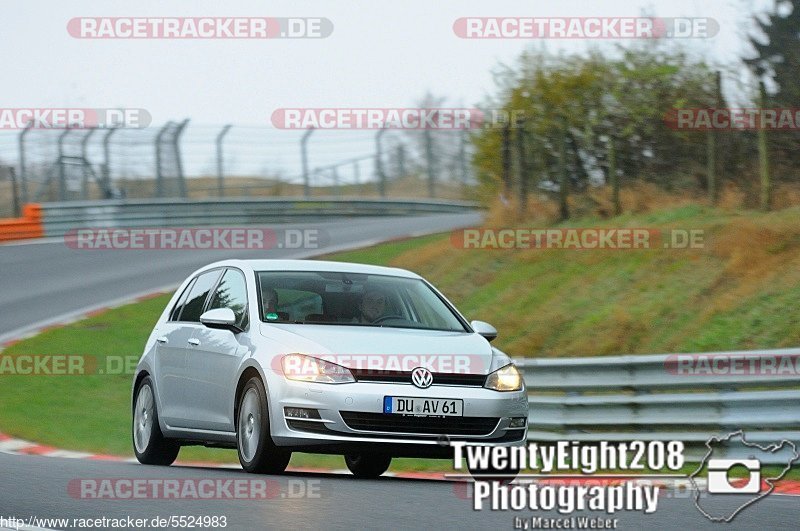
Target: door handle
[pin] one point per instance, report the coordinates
(162, 339)
(194, 342)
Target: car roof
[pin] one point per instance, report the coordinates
(311, 265)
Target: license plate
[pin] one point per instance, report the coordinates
(423, 407)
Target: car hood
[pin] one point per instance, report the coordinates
(387, 348)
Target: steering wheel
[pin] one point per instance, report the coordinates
(386, 318)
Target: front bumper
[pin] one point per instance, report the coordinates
(334, 434)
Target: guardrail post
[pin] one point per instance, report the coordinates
(304, 161)
(23, 173)
(220, 167)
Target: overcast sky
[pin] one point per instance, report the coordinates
(381, 53)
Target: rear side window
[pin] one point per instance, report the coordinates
(196, 300)
(176, 311)
(232, 293)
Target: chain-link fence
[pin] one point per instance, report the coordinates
(182, 159)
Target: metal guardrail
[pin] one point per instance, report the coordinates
(667, 397)
(60, 217)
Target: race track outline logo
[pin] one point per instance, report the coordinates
(718, 473)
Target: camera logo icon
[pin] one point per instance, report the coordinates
(718, 482)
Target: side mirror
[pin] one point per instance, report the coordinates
(220, 318)
(484, 329)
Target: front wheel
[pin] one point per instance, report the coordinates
(257, 452)
(149, 444)
(367, 466)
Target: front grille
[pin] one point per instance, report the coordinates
(439, 378)
(411, 424)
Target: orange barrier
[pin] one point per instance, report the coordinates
(28, 226)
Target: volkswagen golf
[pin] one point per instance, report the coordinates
(278, 356)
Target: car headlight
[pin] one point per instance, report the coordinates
(507, 378)
(309, 369)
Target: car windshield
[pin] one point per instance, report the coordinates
(354, 299)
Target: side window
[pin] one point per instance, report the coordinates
(176, 311)
(232, 293)
(197, 296)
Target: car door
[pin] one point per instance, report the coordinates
(173, 344)
(170, 362)
(214, 357)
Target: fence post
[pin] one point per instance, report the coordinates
(711, 146)
(85, 162)
(379, 163)
(563, 181)
(430, 162)
(23, 173)
(612, 173)
(357, 175)
(462, 162)
(304, 160)
(522, 168)
(401, 161)
(178, 162)
(220, 168)
(763, 155)
(107, 163)
(159, 169)
(335, 176)
(14, 192)
(505, 175)
(62, 177)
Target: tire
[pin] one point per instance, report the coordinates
(149, 444)
(257, 451)
(367, 466)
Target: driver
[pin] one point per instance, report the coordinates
(372, 306)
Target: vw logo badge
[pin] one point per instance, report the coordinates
(422, 377)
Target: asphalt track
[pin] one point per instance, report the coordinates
(39, 486)
(44, 281)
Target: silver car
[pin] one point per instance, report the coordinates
(279, 356)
